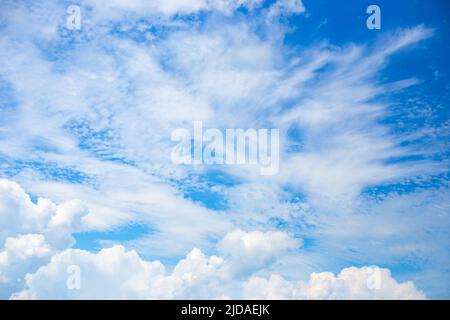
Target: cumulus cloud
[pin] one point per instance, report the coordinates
(351, 283)
(19, 215)
(38, 265)
(28, 245)
(30, 233)
(250, 251)
(20, 255)
(115, 273)
(111, 273)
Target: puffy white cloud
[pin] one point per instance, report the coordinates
(30, 233)
(21, 254)
(351, 283)
(111, 273)
(28, 245)
(357, 283)
(199, 276)
(17, 212)
(115, 273)
(19, 215)
(275, 287)
(126, 275)
(250, 251)
(36, 260)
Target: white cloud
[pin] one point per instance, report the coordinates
(32, 267)
(250, 251)
(30, 233)
(28, 245)
(19, 215)
(111, 273)
(170, 8)
(285, 8)
(115, 273)
(350, 283)
(21, 254)
(357, 283)
(345, 147)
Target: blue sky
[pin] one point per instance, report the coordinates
(86, 117)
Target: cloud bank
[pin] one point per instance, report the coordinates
(35, 265)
